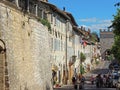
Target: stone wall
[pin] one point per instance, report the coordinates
(27, 50)
(106, 41)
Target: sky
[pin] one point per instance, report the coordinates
(92, 14)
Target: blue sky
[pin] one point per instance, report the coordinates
(93, 14)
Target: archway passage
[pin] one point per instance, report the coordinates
(4, 80)
(1, 70)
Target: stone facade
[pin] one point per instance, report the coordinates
(27, 50)
(106, 41)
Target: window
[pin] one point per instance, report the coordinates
(32, 7)
(62, 46)
(56, 34)
(57, 45)
(44, 15)
(52, 44)
(23, 4)
(39, 12)
(78, 54)
(55, 20)
(51, 18)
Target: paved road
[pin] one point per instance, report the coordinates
(101, 68)
(86, 87)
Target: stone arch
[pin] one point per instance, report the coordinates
(4, 79)
(107, 53)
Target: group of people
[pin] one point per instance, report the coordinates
(78, 80)
(102, 80)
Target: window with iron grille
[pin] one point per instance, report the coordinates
(32, 7)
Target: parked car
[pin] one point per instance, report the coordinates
(118, 84)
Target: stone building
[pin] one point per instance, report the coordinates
(24, 50)
(106, 41)
(62, 45)
(36, 52)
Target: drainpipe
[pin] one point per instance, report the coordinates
(17, 3)
(66, 68)
(36, 9)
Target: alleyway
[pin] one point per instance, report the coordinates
(101, 68)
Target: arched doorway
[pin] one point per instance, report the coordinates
(4, 84)
(107, 54)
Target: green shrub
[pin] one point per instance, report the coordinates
(45, 22)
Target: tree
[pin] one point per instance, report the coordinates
(116, 27)
(94, 37)
(116, 23)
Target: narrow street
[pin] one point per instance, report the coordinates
(86, 87)
(59, 44)
(101, 68)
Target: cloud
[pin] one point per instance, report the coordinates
(95, 24)
(88, 20)
(104, 21)
(99, 26)
(94, 20)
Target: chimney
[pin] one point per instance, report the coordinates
(63, 8)
(81, 27)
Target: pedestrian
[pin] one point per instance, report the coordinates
(82, 82)
(92, 80)
(101, 81)
(82, 79)
(104, 80)
(97, 81)
(110, 80)
(73, 80)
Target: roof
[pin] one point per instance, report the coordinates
(55, 9)
(66, 15)
(72, 18)
(75, 28)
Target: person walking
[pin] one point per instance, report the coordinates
(73, 80)
(104, 80)
(92, 80)
(82, 81)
